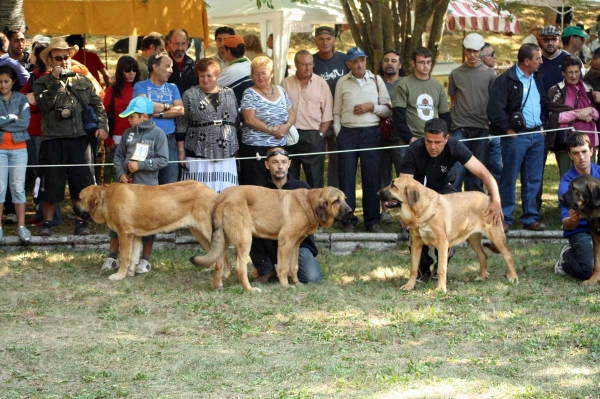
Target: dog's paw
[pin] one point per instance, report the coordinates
(255, 289)
(116, 276)
(513, 279)
(482, 277)
(590, 282)
(408, 287)
(441, 289)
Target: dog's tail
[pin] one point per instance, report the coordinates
(217, 247)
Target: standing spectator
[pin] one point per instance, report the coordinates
(419, 98)
(570, 104)
(152, 43)
(520, 89)
(117, 98)
(469, 89)
(264, 252)
(253, 47)
(207, 130)
(236, 75)
(183, 65)
(357, 109)
(88, 58)
(64, 141)
(14, 119)
(577, 257)
(592, 77)
(573, 38)
(132, 167)
(534, 34)
(330, 65)
(17, 49)
(312, 101)
(494, 165)
(391, 158)
(268, 115)
(6, 60)
(220, 35)
(167, 107)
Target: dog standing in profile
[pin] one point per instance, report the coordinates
(583, 196)
(134, 211)
(442, 221)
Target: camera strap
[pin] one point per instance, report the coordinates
(83, 105)
(528, 91)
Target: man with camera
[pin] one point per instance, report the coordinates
(515, 109)
(61, 97)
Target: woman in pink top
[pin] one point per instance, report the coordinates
(570, 104)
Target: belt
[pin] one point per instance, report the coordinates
(210, 123)
(532, 129)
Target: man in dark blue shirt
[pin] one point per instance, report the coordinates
(264, 252)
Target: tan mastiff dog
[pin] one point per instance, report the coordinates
(134, 211)
(442, 221)
(287, 216)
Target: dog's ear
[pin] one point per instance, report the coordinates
(321, 211)
(412, 194)
(595, 193)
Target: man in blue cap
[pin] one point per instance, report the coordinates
(360, 100)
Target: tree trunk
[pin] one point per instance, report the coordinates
(12, 16)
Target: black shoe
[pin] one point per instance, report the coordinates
(424, 276)
(374, 228)
(81, 228)
(46, 229)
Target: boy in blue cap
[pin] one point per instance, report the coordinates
(142, 152)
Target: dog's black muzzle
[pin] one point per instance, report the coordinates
(81, 213)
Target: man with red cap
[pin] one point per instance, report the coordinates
(236, 75)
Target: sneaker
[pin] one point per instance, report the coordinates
(46, 229)
(386, 218)
(81, 228)
(24, 234)
(11, 218)
(558, 267)
(143, 267)
(109, 265)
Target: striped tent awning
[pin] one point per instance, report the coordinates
(480, 15)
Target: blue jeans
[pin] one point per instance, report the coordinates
(494, 164)
(169, 173)
(480, 149)
(370, 169)
(13, 176)
(264, 257)
(579, 260)
(521, 154)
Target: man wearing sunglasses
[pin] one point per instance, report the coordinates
(61, 97)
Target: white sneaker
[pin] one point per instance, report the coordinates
(109, 265)
(24, 234)
(558, 267)
(143, 267)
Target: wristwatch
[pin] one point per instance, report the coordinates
(167, 106)
(161, 114)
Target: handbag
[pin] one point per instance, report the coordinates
(517, 120)
(386, 125)
(292, 136)
(89, 119)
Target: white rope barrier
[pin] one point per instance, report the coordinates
(259, 157)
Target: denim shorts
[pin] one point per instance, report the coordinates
(13, 176)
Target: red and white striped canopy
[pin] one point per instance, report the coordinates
(480, 15)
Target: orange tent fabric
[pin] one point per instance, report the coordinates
(117, 17)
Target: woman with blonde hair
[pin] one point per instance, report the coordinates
(268, 115)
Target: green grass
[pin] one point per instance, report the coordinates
(66, 332)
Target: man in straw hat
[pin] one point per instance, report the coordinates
(61, 96)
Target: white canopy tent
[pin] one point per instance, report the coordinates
(558, 5)
(280, 21)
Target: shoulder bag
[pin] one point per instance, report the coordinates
(386, 125)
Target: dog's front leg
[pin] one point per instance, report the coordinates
(125, 246)
(596, 274)
(293, 274)
(284, 262)
(442, 249)
(135, 256)
(416, 247)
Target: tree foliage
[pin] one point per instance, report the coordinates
(12, 16)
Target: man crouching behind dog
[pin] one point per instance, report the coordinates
(577, 257)
(142, 152)
(264, 252)
(429, 160)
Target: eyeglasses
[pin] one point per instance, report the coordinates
(492, 54)
(259, 74)
(59, 58)
(131, 69)
(424, 62)
(272, 153)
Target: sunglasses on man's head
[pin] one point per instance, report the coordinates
(132, 69)
(277, 152)
(60, 58)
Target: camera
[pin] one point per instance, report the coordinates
(63, 113)
(64, 75)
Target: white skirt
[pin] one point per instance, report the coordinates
(217, 175)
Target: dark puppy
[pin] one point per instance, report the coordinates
(583, 196)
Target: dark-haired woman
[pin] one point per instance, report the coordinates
(117, 98)
(570, 104)
(14, 120)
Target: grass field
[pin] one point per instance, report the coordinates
(66, 332)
